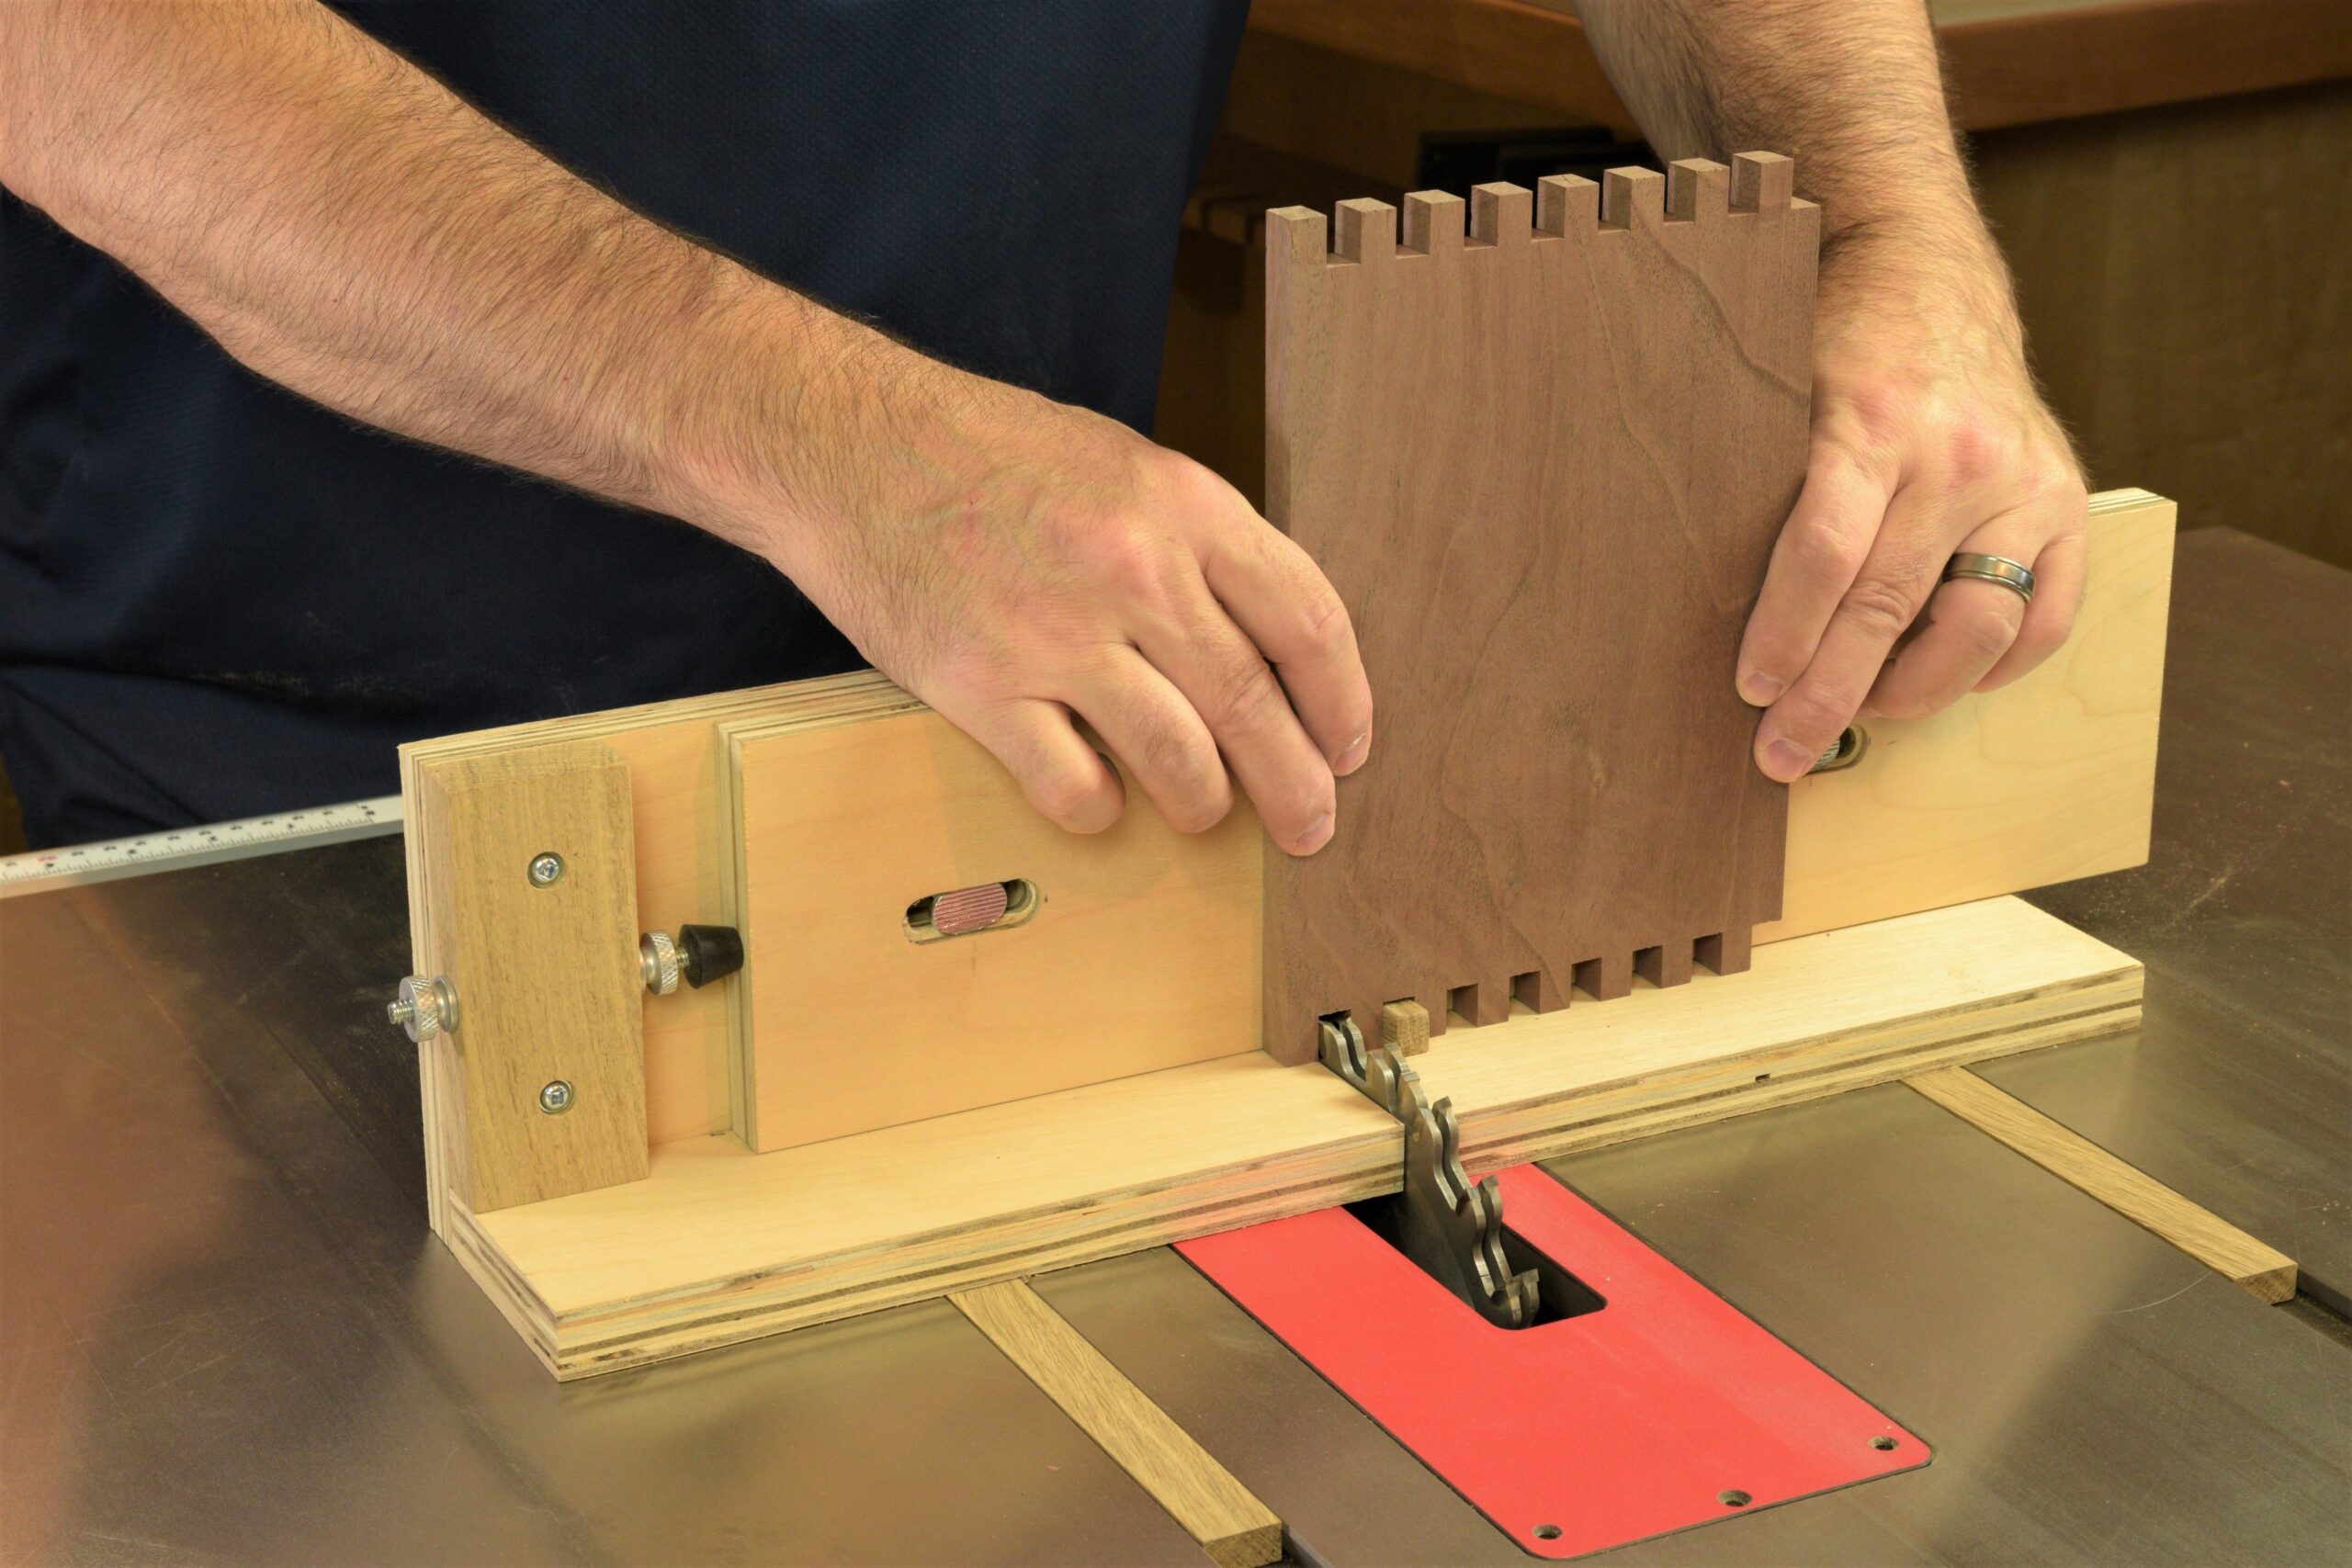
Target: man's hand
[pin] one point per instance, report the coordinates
(347, 226)
(1928, 438)
(1020, 564)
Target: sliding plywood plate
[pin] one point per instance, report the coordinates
(921, 942)
(2046, 780)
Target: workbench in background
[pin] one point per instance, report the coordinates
(2170, 179)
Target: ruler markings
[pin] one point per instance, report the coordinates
(176, 848)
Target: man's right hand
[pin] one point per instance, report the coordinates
(345, 225)
(1021, 565)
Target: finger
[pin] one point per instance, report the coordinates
(1230, 686)
(2060, 575)
(1968, 626)
(1150, 727)
(1283, 604)
(1894, 581)
(1815, 561)
(1063, 777)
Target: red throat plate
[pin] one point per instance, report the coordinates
(1663, 1409)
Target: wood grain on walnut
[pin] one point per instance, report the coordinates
(1543, 464)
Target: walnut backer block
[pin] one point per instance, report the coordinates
(1544, 463)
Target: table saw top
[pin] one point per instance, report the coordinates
(227, 1333)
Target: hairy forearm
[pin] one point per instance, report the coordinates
(347, 226)
(1850, 88)
(1928, 438)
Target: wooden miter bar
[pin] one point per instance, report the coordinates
(1541, 448)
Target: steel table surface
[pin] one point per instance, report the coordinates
(226, 1334)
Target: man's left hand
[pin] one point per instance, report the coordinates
(1928, 438)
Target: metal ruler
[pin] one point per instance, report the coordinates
(43, 870)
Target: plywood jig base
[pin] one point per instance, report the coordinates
(719, 1245)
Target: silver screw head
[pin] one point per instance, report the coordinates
(424, 1007)
(556, 1099)
(546, 869)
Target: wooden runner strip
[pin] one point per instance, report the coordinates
(1235, 1528)
(2254, 1266)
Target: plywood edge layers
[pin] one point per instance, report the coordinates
(719, 1246)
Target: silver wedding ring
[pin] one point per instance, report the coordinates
(1992, 569)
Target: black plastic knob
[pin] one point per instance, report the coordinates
(709, 953)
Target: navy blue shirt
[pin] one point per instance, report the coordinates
(219, 600)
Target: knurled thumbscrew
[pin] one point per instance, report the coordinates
(697, 954)
(425, 1006)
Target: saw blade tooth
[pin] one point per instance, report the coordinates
(1487, 1203)
(1526, 1299)
(1516, 1296)
(1408, 1100)
(1449, 1153)
(1342, 1050)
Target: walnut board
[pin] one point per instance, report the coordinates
(1544, 464)
(719, 1245)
